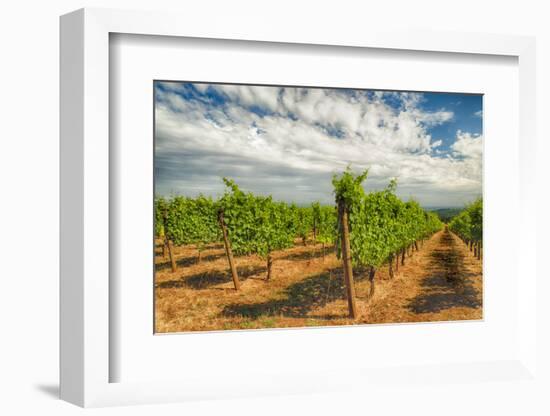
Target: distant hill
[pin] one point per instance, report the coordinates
(445, 214)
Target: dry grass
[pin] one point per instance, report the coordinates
(442, 281)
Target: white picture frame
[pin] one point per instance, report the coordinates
(85, 211)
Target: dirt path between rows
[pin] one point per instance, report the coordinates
(441, 282)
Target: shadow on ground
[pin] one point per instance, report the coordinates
(449, 285)
(211, 278)
(299, 298)
(188, 261)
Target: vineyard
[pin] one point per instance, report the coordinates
(248, 261)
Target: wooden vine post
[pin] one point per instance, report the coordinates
(346, 259)
(269, 266)
(171, 255)
(479, 250)
(228, 252)
(168, 244)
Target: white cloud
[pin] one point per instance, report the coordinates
(468, 145)
(294, 157)
(249, 96)
(435, 118)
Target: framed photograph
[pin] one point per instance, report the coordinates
(280, 213)
(262, 222)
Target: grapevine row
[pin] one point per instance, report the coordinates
(248, 224)
(375, 228)
(468, 225)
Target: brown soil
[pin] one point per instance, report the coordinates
(442, 281)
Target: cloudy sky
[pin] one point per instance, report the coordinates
(288, 142)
